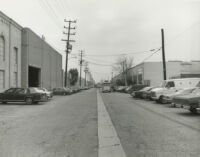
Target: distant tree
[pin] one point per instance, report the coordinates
(123, 63)
(73, 76)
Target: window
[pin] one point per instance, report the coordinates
(2, 48)
(21, 91)
(15, 56)
(2, 79)
(170, 84)
(15, 80)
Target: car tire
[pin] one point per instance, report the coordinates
(193, 110)
(4, 102)
(29, 101)
(160, 100)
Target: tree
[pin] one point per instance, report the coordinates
(123, 63)
(73, 76)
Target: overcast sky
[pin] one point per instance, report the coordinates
(107, 27)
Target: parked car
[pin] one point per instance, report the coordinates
(189, 101)
(61, 91)
(167, 98)
(172, 86)
(147, 94)
(121, 89)
(139, 94)
(28, 95)
(48, 93)
(136, 87)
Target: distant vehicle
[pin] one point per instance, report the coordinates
(172, 86)
(189, 101)
(106, 87)
(139, 94)
(167, 98)
(61, 91)
(48, 93)
(28, 95)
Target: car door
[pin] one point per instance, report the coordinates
(9, 94)
(20, 94)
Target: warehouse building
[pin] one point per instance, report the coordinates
(26, 60)
(41, 64)
(151, 73)
(10, 53)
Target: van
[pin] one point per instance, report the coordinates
(171, 86)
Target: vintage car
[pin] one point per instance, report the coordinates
(147, 94)
(61, 91)
(48, 93)
(139, 94)
(167, 98)
(28, 95)
(189, 101)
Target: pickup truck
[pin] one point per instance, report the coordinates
(190, 101)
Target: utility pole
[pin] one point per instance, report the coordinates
(81, 63)
(68, 45)
(86, 70)
(163, 55)
(124, 72)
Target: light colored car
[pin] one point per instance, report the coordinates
(168, 97)
(189, 101)
(172, 86)
(48, 93)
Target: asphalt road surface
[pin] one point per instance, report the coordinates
(147, 129)
(63, 127)
(67, 126)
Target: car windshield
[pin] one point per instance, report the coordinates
(196, 91)
(35, 90)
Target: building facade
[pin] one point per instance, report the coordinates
(41, 64)
(10, 53)
(151, 73)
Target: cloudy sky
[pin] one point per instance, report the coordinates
(107, 29)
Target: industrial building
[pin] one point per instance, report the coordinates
(151, 73)
(26, 60)
(41, 64)
(10, 53)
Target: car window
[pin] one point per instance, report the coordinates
(11, 90)
(21, 91)
(170, 84)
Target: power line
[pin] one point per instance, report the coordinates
(98, 63)
(151, 55)
(113, 55)
(50, 12)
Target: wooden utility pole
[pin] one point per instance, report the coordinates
(81, 63)
(163, 55)
(68, 46)
(86, 71)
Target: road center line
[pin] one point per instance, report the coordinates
(109, 143)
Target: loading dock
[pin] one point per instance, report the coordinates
(34, 76)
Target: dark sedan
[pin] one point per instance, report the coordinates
(28, 95)
(139, 94)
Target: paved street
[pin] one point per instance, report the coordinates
(67, 126)
(63, 127)
(153, 130)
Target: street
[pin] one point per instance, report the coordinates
(67, 126)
